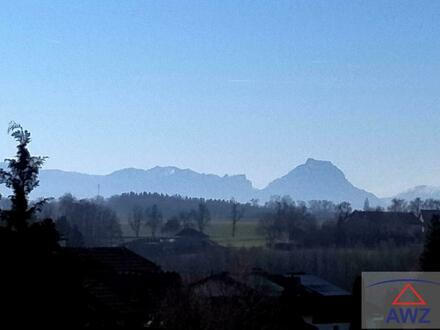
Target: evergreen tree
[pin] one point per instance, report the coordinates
(37, 287)
(367, 204)
(22, 178)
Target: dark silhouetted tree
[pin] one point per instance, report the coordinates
(202, 216)
(237, 212)
(343, 210)
(322, 210)
(22, 178)
(398, 205)
(187, 218)
(172, 226)
(415, 206)
(431, 204)
(38, 287)
(267, 227)
(136, 219)
(97, 223)
(70, 234)
(154, 219)
(367, 205)
(430, 258)
(287, 220)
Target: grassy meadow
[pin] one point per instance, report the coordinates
(338, 265)
(219, 231)
(245, 234)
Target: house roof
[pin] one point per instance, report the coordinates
(264, 283)
(220, 285)
(190, 232)
(320, 286)
(384, 217)
(118, 259)
(310, 283)
(104, 295)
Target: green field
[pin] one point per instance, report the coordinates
(220, 232)
(245, 235)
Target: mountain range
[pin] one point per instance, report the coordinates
(313, 180)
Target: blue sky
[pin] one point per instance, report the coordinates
(252, 87)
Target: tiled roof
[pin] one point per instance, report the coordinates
(220, 285)
(118, 259)
(318, 285)
(311, 283)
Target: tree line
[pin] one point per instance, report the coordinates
(95, 222)
(324, 223)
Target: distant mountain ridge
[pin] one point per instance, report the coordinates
(166, 180)
(312, 180)
(318, 180)
(422, 191)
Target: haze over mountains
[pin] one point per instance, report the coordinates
(423, 192)
(167, 180)
(317, 180)
(314, 180)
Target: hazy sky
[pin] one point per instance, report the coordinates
(252, 87)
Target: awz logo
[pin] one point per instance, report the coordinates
(410, 314)
(400, 300)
